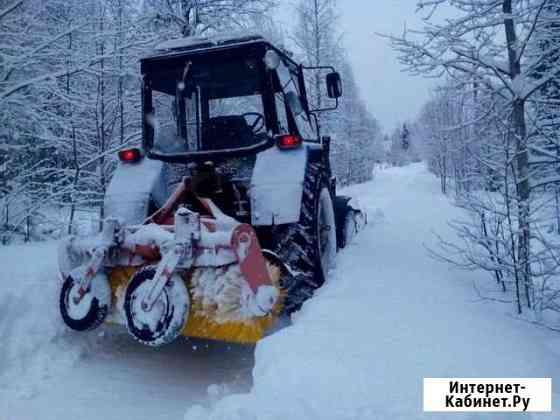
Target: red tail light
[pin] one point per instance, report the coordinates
(130, 155)
(288, 141)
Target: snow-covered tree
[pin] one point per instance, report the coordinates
(488, 51)
(355, 132)
(180, 18)
(31, 98)
(69, 88)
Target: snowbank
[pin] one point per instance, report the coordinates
(388, 317)
(34, 343)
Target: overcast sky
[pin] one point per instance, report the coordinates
(392, 96)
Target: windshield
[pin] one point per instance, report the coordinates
(204, 108)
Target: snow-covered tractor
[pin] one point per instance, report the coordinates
(228, 215)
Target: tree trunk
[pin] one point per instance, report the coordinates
(102, 134)
(74, 145)
(7, 224)
(121, 70)
(523, 199)
(521, 162)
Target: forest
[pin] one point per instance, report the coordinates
(490, 133)
(70, 95)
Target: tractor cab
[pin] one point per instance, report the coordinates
(206, 99)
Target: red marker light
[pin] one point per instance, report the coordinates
(130, 155)
(288, 141)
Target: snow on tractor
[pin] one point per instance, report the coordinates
(228, 216)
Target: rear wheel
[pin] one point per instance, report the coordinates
(308, 247)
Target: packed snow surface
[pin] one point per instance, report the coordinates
(387, 317)
(50, 373)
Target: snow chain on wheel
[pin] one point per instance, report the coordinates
(164, 322)
(88, 311)
(299, 244)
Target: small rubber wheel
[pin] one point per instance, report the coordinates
(162, 323)
(90, 311)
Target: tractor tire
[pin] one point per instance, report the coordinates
(308, 247)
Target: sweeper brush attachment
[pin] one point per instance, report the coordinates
(212, 280)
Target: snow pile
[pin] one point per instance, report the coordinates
(315, 369)
(388, 317)
(34, 343)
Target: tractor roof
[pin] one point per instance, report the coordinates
(202, 43)
(190, 46)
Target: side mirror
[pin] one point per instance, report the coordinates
(334, 85)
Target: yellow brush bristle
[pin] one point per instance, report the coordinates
(204, 321)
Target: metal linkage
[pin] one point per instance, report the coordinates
(111, 227)
(181, 251)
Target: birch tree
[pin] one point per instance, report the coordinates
(488, 44)
(181, 18)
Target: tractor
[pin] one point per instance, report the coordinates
(227, 217)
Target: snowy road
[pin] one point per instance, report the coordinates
(125, 380)
(47, 372)
(388, 317)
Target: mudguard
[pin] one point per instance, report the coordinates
(132, 187)
(277, 186)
